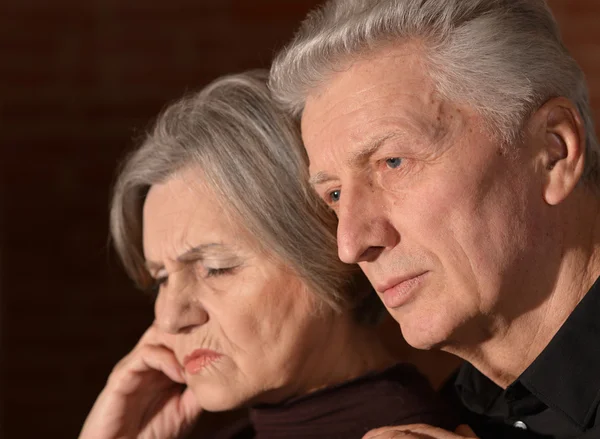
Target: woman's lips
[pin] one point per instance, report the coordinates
(400, 293)
(199, 359)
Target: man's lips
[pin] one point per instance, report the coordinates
(397, 291)
(199, 359)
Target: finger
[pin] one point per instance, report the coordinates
(465, 430)
(395, 434)
(385, 433)
(147, 359)
(157, 358)
(153, 335)
(397, 429)
(415, 431)
(190, 406)
(425, 430)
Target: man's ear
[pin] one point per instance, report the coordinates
(562, 148)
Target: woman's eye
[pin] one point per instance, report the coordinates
(393, 162)
(213, 272)
(334, 196)
(158, 282)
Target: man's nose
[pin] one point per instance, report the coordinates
(176, 310)
(364, 230)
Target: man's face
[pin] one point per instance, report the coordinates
(440, 217)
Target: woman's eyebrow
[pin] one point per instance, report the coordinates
(200, 251)
(189, 255)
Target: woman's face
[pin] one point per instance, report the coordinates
(243, 326)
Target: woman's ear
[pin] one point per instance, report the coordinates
(562, 148)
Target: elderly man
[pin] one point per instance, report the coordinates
(455, 142)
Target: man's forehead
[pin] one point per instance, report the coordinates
(370, 78)
(402, 116)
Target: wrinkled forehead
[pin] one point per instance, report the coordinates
(387, 90)
(184, 211)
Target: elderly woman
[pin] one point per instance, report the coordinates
(253, 308)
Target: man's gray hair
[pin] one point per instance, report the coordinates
(250, 153)
(505, 58)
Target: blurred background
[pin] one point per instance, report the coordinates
(79, 81)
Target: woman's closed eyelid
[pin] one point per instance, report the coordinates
(217, 263)
(157, 283)
(219, 268)
(214, 272)
(159, 277)
(208, 272)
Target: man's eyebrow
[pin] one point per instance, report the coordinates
(189, 255)
(364, 153)
(356, 160)
(320, 178)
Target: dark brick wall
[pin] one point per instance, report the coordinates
(78, 81)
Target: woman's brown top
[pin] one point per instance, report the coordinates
(398, 395)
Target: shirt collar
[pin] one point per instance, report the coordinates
(477, 392)
(566, 375)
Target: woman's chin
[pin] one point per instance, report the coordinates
(218, 400)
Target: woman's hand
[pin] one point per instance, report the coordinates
(145, 396)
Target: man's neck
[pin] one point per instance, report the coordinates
(518, 340)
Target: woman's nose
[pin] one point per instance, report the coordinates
(176, 308)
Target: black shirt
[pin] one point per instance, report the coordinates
(556, 397)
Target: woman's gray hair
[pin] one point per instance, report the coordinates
(251, 155)
(505, 58)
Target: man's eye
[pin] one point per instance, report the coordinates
(393, 162)
(334, 196)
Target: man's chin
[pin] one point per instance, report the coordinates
(422, 338)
